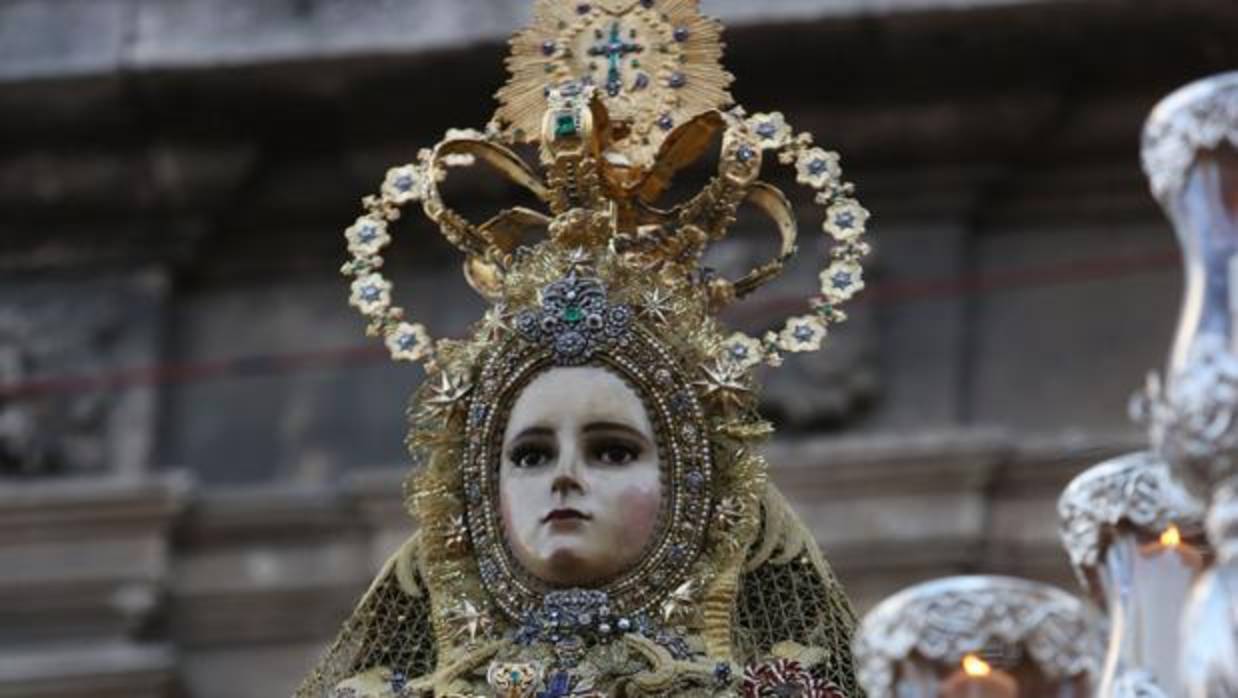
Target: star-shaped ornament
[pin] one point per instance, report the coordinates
(656, 305)
(456, 537)
(469, 621)
(446, 395)
(495, 323)
(725, 382)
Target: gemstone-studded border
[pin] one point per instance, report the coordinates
(685, 452)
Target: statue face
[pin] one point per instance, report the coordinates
(580, 481)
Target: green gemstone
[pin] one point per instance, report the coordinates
(565, 125)
(573, 314)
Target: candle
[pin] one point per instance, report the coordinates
(1171, 541)
(976, 679)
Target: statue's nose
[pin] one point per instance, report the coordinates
(567, 474)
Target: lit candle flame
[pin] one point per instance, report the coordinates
(1172, 537)
(975, 666)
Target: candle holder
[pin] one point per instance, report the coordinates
(1190, 154)
(1136, 541)
(980, 637)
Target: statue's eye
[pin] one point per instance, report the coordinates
(616, 453)
(530, 456)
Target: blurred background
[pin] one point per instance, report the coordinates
(201, 455)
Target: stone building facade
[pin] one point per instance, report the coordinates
(200, 457)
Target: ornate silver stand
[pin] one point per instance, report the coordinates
(980, 636)
(1135, 539)
(1190, 154)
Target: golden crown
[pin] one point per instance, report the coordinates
(619, 96)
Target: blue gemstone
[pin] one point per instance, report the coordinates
(367, 234)
(677, 80)
(681, 34)
(803, 333)
(404, 182)
(767, 130)
(642, 81)
(846, 221)
(583, 8)
(695, 480)
(406, 342)
(371, 293)
(745, 154)
(666, 123)
(842, 280)
(548, 48)
(818, 166)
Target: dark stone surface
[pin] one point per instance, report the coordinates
(56, 335)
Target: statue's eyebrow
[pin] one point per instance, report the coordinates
(535, 431)
(613, 426)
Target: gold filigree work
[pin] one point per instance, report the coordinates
(619, 96)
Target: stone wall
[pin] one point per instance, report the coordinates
(200, 464)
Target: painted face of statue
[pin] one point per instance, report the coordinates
(580, 481)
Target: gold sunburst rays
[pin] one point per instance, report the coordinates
(656, 65)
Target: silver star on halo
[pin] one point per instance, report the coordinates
(495, 323)
(656, 305)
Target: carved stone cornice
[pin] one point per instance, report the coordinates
(115, 670)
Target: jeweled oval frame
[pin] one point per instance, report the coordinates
(680, 428)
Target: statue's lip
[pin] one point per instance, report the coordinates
(565, 515)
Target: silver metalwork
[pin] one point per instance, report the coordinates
(575, 320)
(945, 620)
(1191, 157)
(1110, 518)
(1193, 419)
(1137, 684)
(1136, 489)
(1200, 116)
(1210, 651)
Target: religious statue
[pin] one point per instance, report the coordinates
(595, 518)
